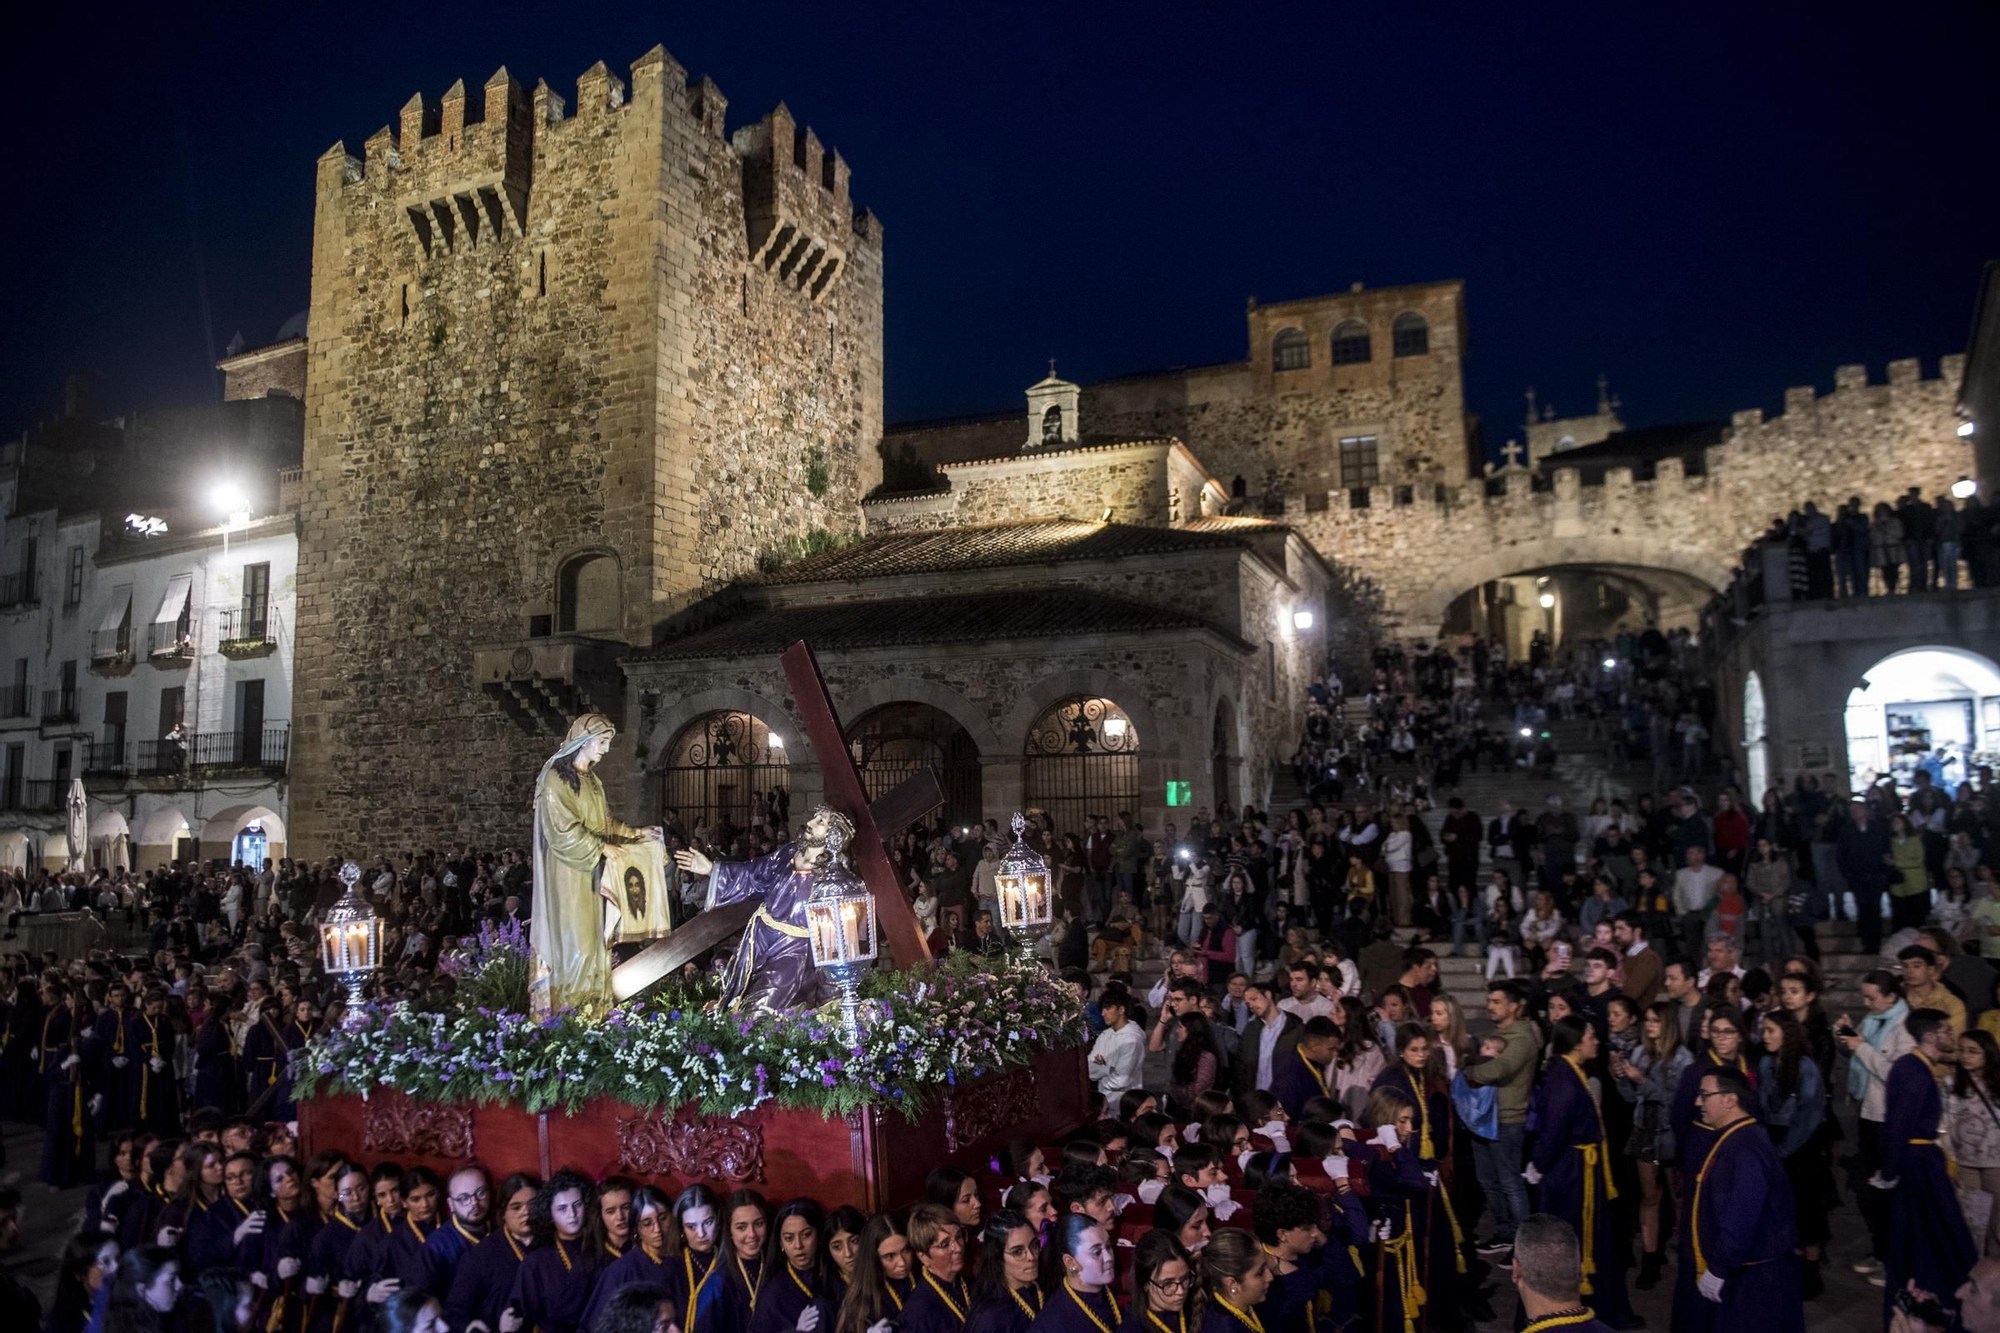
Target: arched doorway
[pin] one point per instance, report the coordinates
(13, 851)
(1222, 756)
(1756, 751)
(718, 766)
(110, 841)
(1082, 760)
(1922, 708)
(164, 835)
(899, 740)
(245, 834)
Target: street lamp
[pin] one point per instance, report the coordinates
(350, 941)
(1548, 601)
(1022, 886)
(840, 927)
(1302, 619)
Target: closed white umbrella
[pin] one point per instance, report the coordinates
(79, 824)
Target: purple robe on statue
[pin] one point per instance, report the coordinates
(773, 966)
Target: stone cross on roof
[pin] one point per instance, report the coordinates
(1513, 453)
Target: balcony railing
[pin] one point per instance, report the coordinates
(58, 705)
(247, 629)
(18, 589)
(169, 640)
(111, 645)
(42, 794)
(105, 757)
(266, 749)
(13, 701)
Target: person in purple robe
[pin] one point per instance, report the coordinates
(801, 1290)
(1078, 1268)
(1398, 1195)
(328, 1251)
(941, 1302)
(1928, 1239)
(552, 1286)
(646, 1261)
(468, 1199)
(1547, 1268)
(485, 1275)
(1286, 1220)
(773, 967)
(1571, 1165)
(1741, 1228)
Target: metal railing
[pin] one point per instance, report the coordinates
(169, 640)
(253, 625)
(266, 748)
(42, 794)
(106, 757)
(108, 645)
(58, 705)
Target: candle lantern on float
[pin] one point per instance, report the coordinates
(350, 941)
(840, 926)
(1023, 886)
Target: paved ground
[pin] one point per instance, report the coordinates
(1850, 1305)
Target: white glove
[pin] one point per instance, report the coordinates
(510, 1320)
(1532, 1175)
(1386, 1136)
(1431, 1178)
(97, 1107)
(808, 1319)
(259, 1281)
(71, 1061)
(879, 1326)
(34, 1054)
(167, 1236)
(118, 1187)
(119, 1062)
(347, 1287)
(387, 1287)
(288, 1268)
(315, 1285)
(252, 1225)
(1710, 1286)
(157, 1064)
(479, 1326)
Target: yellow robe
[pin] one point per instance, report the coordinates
(572, 963)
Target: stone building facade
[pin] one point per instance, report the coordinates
(568, 372)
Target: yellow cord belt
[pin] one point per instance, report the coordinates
(1701, 1176)
(1402, 1252)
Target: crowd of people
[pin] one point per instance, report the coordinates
(1324, 1133)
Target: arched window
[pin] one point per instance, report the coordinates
(1052, 431)
(897, 741)
(1410, 335)
(587, 594)
(1351, 344)
(1083, 760)
(1291, 350)
(721, 769)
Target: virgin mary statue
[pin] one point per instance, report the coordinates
(573, 826)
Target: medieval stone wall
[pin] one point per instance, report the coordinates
(1423, 548)
(1131, 480)
(537, 334)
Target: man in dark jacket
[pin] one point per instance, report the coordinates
(1863, 858)
(1460, 837)
(1257, 1057)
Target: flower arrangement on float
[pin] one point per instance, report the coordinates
(964, 1017)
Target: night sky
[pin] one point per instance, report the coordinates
(1707, 204)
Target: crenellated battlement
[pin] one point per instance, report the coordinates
(796, 204)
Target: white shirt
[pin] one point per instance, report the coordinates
(1317, 1007)
(1695, 889)
(1123, 1051)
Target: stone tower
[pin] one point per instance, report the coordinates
(567, 373)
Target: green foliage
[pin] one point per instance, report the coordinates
(493, 974)
(903, 471)
(819, 477)
(817, 541)
(921, 1029)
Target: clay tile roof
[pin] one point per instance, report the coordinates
(1028, 542)
(1244, 523)
(915, 620)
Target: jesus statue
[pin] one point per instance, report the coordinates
(573, 827)
(773, 967)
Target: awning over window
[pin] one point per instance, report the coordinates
(176, 599)
(121, 607)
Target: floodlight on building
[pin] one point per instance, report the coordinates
(1548, 600)
(1302, 619)
(1610, 664)
(1965, 429)
(1964, 488)
(775, 741)
(1527, 731)
(1114, 728)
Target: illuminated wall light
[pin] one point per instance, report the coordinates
(1548, 600)
(1964, 488)
(1114, 728)
(1302, 619)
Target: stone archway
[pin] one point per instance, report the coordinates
(1426, 610)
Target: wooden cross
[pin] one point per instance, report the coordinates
(873, 821)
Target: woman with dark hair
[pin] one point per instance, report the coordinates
(1793, 1108)
(1647, 1079)
(119, 1190)
(691, 1250)
(646, 1260)
(1078, 1268)
(949, 1187)
(1006, 1296)
(88, 1262)
(199, 1171)
(1024, 1161)
(1571, 1163)
(216, 1081)
(800, 1291)
(1357, 1059)
(552, 1286)
(1398, 1195)
(942, 1299)
(881, 1285)
(746, 1220)
(1165, 1290)
(1184, 1214)
(1972, 1117)
(1033, 1201)
(485, 1275)
(412, 1311)
(1135, 1102)
(1196, 1062)
(230, 1300)
(145, 1292)
(1723, 1031)
(1265, 1168)
(1236, 1276)
(844, 1226)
